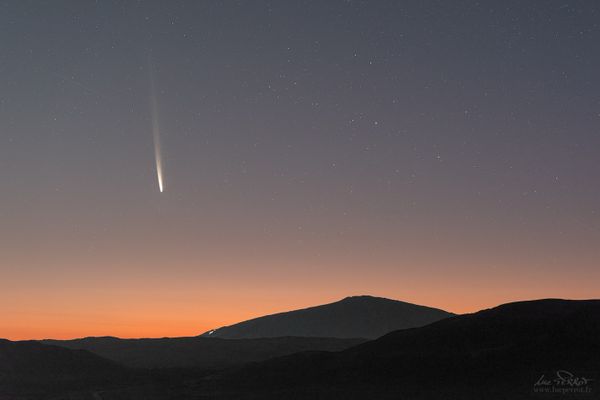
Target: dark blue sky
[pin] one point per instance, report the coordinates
(444, 152)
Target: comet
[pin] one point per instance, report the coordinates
(155, 128)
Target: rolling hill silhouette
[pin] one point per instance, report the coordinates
(353, 317)
(197, 351)
(498, 353)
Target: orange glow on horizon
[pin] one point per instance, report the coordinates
(133, 321)
(139, 288)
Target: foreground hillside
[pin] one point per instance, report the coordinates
(34, 369)
(357, 316)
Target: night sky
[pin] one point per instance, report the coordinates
(437, 152)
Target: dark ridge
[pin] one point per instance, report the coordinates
(199, 352)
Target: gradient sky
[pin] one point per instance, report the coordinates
(438, 152)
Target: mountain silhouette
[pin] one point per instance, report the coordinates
(508, 352)
(497, 353)
(353, 317)
(197, 351)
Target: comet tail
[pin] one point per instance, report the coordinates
(156, 130)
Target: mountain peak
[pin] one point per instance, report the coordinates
(362, 316)
(363, 297)
(369, 298)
